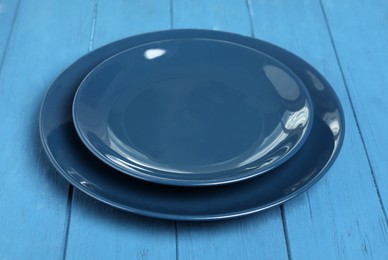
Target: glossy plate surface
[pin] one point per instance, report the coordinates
(192, 112)
(83, 170)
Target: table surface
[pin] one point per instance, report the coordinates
(343, 216)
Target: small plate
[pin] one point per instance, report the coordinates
(90, 175)
(192, 112)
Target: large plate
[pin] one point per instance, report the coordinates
(82, 169)
(192, 112)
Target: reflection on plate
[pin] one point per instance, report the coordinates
(83, 170)
(192, 112)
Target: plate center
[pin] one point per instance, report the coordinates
(204, 109)
(193, 123)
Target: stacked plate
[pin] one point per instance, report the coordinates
(191, 125)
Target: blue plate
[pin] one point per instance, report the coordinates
(192, 112)
(86, 172)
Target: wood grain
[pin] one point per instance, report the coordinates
(220, 15)
(8, 11)
(45, 39)
(255, 237)
(98, 231)
(359, 32)
(121, 19)
(259, 236)
(340, 217)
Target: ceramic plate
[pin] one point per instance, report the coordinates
(86, 172)
(192, 112)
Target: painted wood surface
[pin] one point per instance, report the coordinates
(361, 42)
(33, 196)
(97, 231)
(341, 217)
(254, 237)
(8, 11)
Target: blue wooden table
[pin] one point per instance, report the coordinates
(343, 216)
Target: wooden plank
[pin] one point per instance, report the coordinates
(8, 10)
(259, 236)
(255, 237)
(340, 217)
(363, 56)
(99, 231)
(125, 18)
(214, 15)
(46, 38)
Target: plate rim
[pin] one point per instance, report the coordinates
(169, 216)
(221, 180)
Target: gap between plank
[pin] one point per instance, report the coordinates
(176, 240)
(2, 59)
(250, 14)
(71, 189)
(68, 218)
(353, 110)
(172, 14)
(93, 30)
(281, 207)
(285, 232)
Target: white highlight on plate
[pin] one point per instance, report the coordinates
(317, 83)
(289, 121)
(154, 53)
(284, 84)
